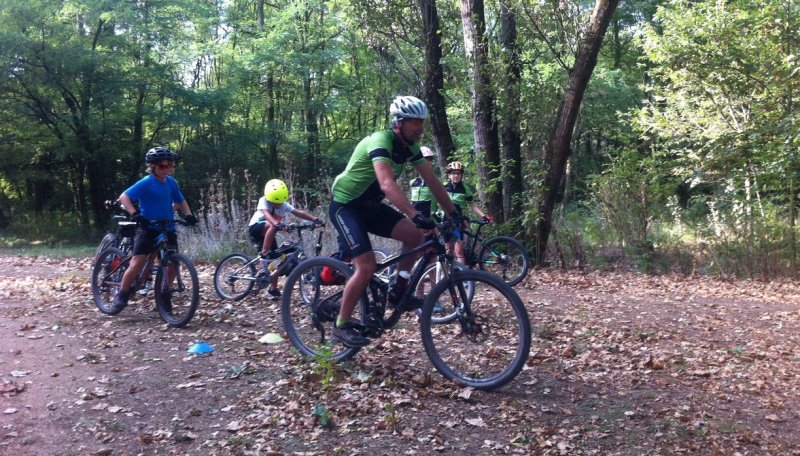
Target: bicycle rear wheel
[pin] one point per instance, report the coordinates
(107, 279)
(443, 311)
(177, 300)
(309, 324)
(486, 345)
(505, 257)
(234, 277)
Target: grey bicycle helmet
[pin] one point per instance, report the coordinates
(408, 107)
(159, 153)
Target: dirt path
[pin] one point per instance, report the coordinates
(621, 364)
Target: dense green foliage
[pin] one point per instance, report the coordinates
(684, 153)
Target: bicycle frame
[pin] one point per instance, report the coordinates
(431, 248)
(471, 244)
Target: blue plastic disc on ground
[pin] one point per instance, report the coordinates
(201, 348)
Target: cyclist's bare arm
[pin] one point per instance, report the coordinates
(127, 204)
(184, 208)
(393, 192)
(271, 218)
(478, 210)
(303, 215)
(426, 171)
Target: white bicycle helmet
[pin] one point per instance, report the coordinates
(408, 107)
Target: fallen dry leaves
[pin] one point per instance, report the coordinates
(621, 364)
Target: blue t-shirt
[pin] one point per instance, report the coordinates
(155, 198)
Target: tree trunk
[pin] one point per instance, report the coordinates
(272, 127)
(434, 82)
(511, 149)
(487, 147)
(557, 149)
(312, 132)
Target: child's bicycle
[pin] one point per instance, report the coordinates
(176, 289)
(237, 274)
(485, 346)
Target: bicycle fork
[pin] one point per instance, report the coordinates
(472, 325)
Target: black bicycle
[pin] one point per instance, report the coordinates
(237, 274)
(501, 255)
(484, 347)
(176, 282)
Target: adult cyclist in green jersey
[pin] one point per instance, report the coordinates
(461, 194)
(421, 197)
(357, 207)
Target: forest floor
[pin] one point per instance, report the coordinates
(621, 364)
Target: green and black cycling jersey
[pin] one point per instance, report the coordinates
(358, 181)
(460, 194)
(422, 198)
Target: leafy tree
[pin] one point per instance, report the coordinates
(722, 112)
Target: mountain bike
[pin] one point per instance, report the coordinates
(237, 274)
(177, 287)
(485, 346)
(501, 255)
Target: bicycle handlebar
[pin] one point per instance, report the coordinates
(303, 226)
(163, 224)
(480, 222)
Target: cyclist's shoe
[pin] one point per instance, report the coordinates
(145, 288)
(438, 308)
(166, 300)
(120, 300)
(274, 293)
(349, 335)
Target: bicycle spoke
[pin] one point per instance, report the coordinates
(309, 308)
(178, 294)
(107, 278)
(487, 343)
(234, 277)
(443, 309)
(506, 258)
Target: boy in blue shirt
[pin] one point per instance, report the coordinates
(155, 193)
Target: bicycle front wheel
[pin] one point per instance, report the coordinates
(312, 297)
(107, 279)
(486, 345)
(234, 277)
(177, 299)
(505, 257)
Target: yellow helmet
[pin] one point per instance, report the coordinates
(276, 191)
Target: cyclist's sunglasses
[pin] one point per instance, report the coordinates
(169, 165)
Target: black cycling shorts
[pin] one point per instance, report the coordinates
(145, 241)
(353, 222)
(256, 233)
